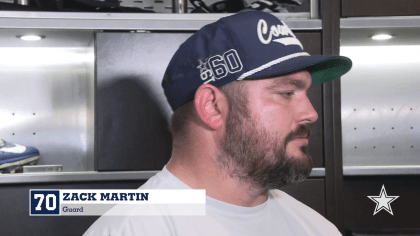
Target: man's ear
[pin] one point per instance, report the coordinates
(211, 106)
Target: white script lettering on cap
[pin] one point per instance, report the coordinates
(276, 31)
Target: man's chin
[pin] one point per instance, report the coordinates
(297, 152)
(297, 155)
(290, 170)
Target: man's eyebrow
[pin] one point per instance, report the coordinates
(288, 81)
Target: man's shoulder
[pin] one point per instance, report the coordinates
(163, 180)
(121, 217)
(130, 225)
(162, 225)
(155, 182)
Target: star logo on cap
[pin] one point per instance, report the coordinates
(203, 65)
(383, 201)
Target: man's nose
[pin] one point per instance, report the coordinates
(307, 113)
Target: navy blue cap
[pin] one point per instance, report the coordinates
(247, 45)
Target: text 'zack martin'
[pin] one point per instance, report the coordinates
(106, 197)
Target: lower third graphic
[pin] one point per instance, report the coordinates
(117, 202)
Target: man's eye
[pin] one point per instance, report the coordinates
(287, 94)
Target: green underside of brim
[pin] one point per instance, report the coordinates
(328, 70)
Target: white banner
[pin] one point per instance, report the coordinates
(144, 202)
(143, 196)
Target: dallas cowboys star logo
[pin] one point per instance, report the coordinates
(383, 201)
(203, 65)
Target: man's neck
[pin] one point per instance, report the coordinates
(199, 170)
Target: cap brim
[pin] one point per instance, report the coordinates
(322, 68)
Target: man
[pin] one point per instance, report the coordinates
(238, 91)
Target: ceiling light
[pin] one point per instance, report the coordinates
(381, 36)
(31, 37)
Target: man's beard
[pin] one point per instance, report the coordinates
(258, 157)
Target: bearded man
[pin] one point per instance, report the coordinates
(238, 89)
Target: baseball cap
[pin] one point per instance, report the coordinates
(247, 45)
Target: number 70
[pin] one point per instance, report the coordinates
(47, 201)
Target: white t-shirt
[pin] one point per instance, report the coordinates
(279, 215)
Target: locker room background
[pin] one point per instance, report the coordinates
(100, 112)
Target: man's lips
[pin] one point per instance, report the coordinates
(301, 139)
